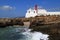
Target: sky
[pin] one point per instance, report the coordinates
(18, 8)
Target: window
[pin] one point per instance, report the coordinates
(29, 11)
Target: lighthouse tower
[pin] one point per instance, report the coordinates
(36, 8)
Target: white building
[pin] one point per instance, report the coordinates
(38, 12)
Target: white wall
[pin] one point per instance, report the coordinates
(42, 12)
(53, 13)
(31, 14)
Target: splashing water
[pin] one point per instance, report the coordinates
(35, 35)
(21, 34)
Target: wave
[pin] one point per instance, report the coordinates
(21, 33)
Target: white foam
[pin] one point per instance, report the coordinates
(35, 35)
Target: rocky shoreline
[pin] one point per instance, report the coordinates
(4, 22)
(20, 21)
(46, 24)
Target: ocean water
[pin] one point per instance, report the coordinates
(21, 33)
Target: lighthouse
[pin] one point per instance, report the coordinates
(33, 12)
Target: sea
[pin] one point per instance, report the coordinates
(21, 33)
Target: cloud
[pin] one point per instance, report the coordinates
(7, 7)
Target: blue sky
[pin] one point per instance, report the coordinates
(18, 8)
